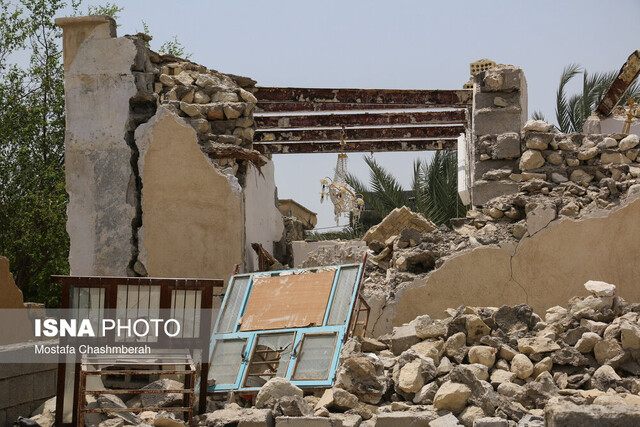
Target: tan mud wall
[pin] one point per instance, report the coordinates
(550, 267)
(192, 226)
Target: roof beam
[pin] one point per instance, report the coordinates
(627, 75)
(453, 98)
(367, 119)
(335, 134)
(355, 147)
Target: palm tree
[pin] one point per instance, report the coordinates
(434, 189)
(572, 111)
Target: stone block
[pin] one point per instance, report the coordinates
(308, 422)
(494, 99)
(488, 165)
(483, 191)
(497, 120)
(405, 418)
(501, 80)
(507, 146)
(403, 338)
(570, 415)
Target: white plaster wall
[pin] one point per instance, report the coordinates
(98, 86)
(614, 125)
(263, 220)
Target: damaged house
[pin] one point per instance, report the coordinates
(169, 175)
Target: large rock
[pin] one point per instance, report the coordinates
(537, 345)
(337, 399)
(162, 400)
(406, 418)
(600, 289)
(605, 377)
(411, 379)
(455, 347)
(531, 159)
(249, 417)
(586, 343)
(522, 366)
(628, 142)
(606, 349)
(358, 375)
(452, 397)
(397, 220)
(630, 336)
(482, 354)
(566, 414)
(275, 389)
(402, 338)
(537, 126)
(513, 320)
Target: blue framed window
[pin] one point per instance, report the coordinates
(244, 357)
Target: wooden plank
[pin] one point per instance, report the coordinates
(627, 75)
(319, 135)
(356, 147)
(310, 107)
(288, 301)
(451, 98)
(367, 119)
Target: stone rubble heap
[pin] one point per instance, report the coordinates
(481, 366)
(45, 414)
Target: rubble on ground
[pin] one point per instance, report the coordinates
(481, 366)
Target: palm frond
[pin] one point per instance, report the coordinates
(537, 115)
(386, 186)
(562, 106)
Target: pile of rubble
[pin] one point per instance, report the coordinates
(481, 366)
(44, 416)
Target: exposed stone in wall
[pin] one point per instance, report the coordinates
(499, 107)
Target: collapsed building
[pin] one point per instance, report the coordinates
(169, 175)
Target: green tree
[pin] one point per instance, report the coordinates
(32, 183)
(434, 189)
(573, 110)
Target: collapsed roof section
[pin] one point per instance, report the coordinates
(289, 324)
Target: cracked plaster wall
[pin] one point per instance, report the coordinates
(97, 158)
(145, 197)
(191, 216)
(541, 270)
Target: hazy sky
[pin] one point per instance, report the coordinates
(397, 44)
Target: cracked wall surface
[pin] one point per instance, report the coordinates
(191, 216)
(550, 266)
(160, 170)
(97, 157)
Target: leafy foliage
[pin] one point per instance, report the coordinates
(32, 191)
(434, 189)
(109, 9)
(573, 110)
(171, 47)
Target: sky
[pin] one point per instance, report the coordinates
(393, 44)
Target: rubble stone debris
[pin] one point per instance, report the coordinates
(481, 366)
(397, 220)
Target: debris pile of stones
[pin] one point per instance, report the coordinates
(45, 414)
(481, 366)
